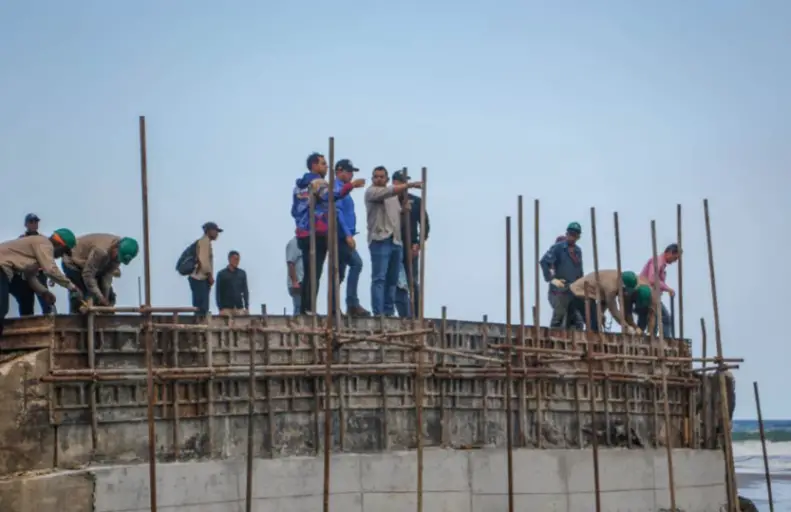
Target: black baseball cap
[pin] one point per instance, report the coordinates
(345, 165)
(401, 176)
(31, 217)
(212, 225)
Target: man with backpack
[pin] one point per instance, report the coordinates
(197, 262)
(94, 262)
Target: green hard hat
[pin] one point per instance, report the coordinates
(643, 295)
(67, 236)
(574, 227)
(629, 280)
(127, 250)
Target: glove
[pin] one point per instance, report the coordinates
(559, 283)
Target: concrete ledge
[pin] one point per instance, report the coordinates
(454, 481)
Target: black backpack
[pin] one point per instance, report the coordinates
(188, 260)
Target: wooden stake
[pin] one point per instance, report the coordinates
(763, 448)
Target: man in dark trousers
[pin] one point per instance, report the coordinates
(233, 296)
(412, 247)
(27, 299)
(313, 183)
(561, 266)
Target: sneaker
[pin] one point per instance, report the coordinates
(358, 311)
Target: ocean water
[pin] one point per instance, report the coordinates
(749, 463)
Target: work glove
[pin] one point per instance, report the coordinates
(559, 283)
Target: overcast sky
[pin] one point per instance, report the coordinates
(625, 106)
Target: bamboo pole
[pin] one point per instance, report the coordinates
(707, 417)
(508, 378)
(419, 372)
(726, 420)
(331, 234)
(623, 307)
(149, 341)
(680, 291)
(763, 447)
(666, 399)
(250, 429)
(521, 360)
(599, 319)
(537, 320)
(592, 399)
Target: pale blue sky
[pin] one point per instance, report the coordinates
(622, 105)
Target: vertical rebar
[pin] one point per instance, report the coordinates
(662, 367)
(152, 451)
(627, 386)
(537, 322)
(406, 217)
(680, 291)
(726, 419)
(508, 378)
(600, 321)
(250, 415)
(91, 341)
(591, 397)
(328, 338)
(520, 358)
(763, 447)
(314, 317)
(419, 372)
(705, 401)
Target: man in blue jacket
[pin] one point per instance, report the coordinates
(561, 266)
(348, 257)
(313, 183)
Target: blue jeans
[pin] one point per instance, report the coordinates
(296, 299)
(348, 257)
(200, 295)
(385, 263)
(402, 303)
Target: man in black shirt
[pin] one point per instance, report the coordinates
(233, 296)
(412, 248)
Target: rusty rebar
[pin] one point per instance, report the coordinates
(733, 503)
(521, 360)
(331, 218)
(662, 366)
(250, 429)
(763, 447)
(152, 452)
(680, 291)
(589, 348)
(623, 307)
(706, 414)
(419, 371)
(508, 369)
(537, 321)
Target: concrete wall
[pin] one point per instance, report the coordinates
(454, 481)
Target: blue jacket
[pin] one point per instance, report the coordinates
(347, 217)
(300, 205)
(566, 260)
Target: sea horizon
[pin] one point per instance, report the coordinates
(749, 463)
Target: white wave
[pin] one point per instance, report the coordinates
(748, 457)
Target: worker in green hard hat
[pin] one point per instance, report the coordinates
(643, 303)
(22, 259)
(562, 266)
(609, 289)
(94, 263)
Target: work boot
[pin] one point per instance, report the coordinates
(357, 311)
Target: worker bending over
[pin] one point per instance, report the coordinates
(93, 264)
(609, 288)
(643, 302)
(25, 257)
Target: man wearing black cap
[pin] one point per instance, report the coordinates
(26, 297)
(202, 278)
(412, 249)
(348, 257)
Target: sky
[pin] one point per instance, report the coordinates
(628, 107)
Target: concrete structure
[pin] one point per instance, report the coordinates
(75, 433)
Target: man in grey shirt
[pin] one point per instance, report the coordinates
(383, 206)
(295, 273)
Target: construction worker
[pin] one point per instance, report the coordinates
(93, 264)
(669, 256)
(609, 288)
(562, 266)
(411, 215)
(25, 257)
(643, 303)
(27, 299)
(233, 295)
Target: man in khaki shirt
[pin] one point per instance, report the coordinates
(26, 257)
(94, 262)
(609, 288)
(202, 278)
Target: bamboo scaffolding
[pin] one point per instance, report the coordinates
(149, 341)
(622, 305)
(763, 447)
(508, 376)
(666, 399)
(733, 503)
(599, 319)
(250, 430)
(592, 400)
